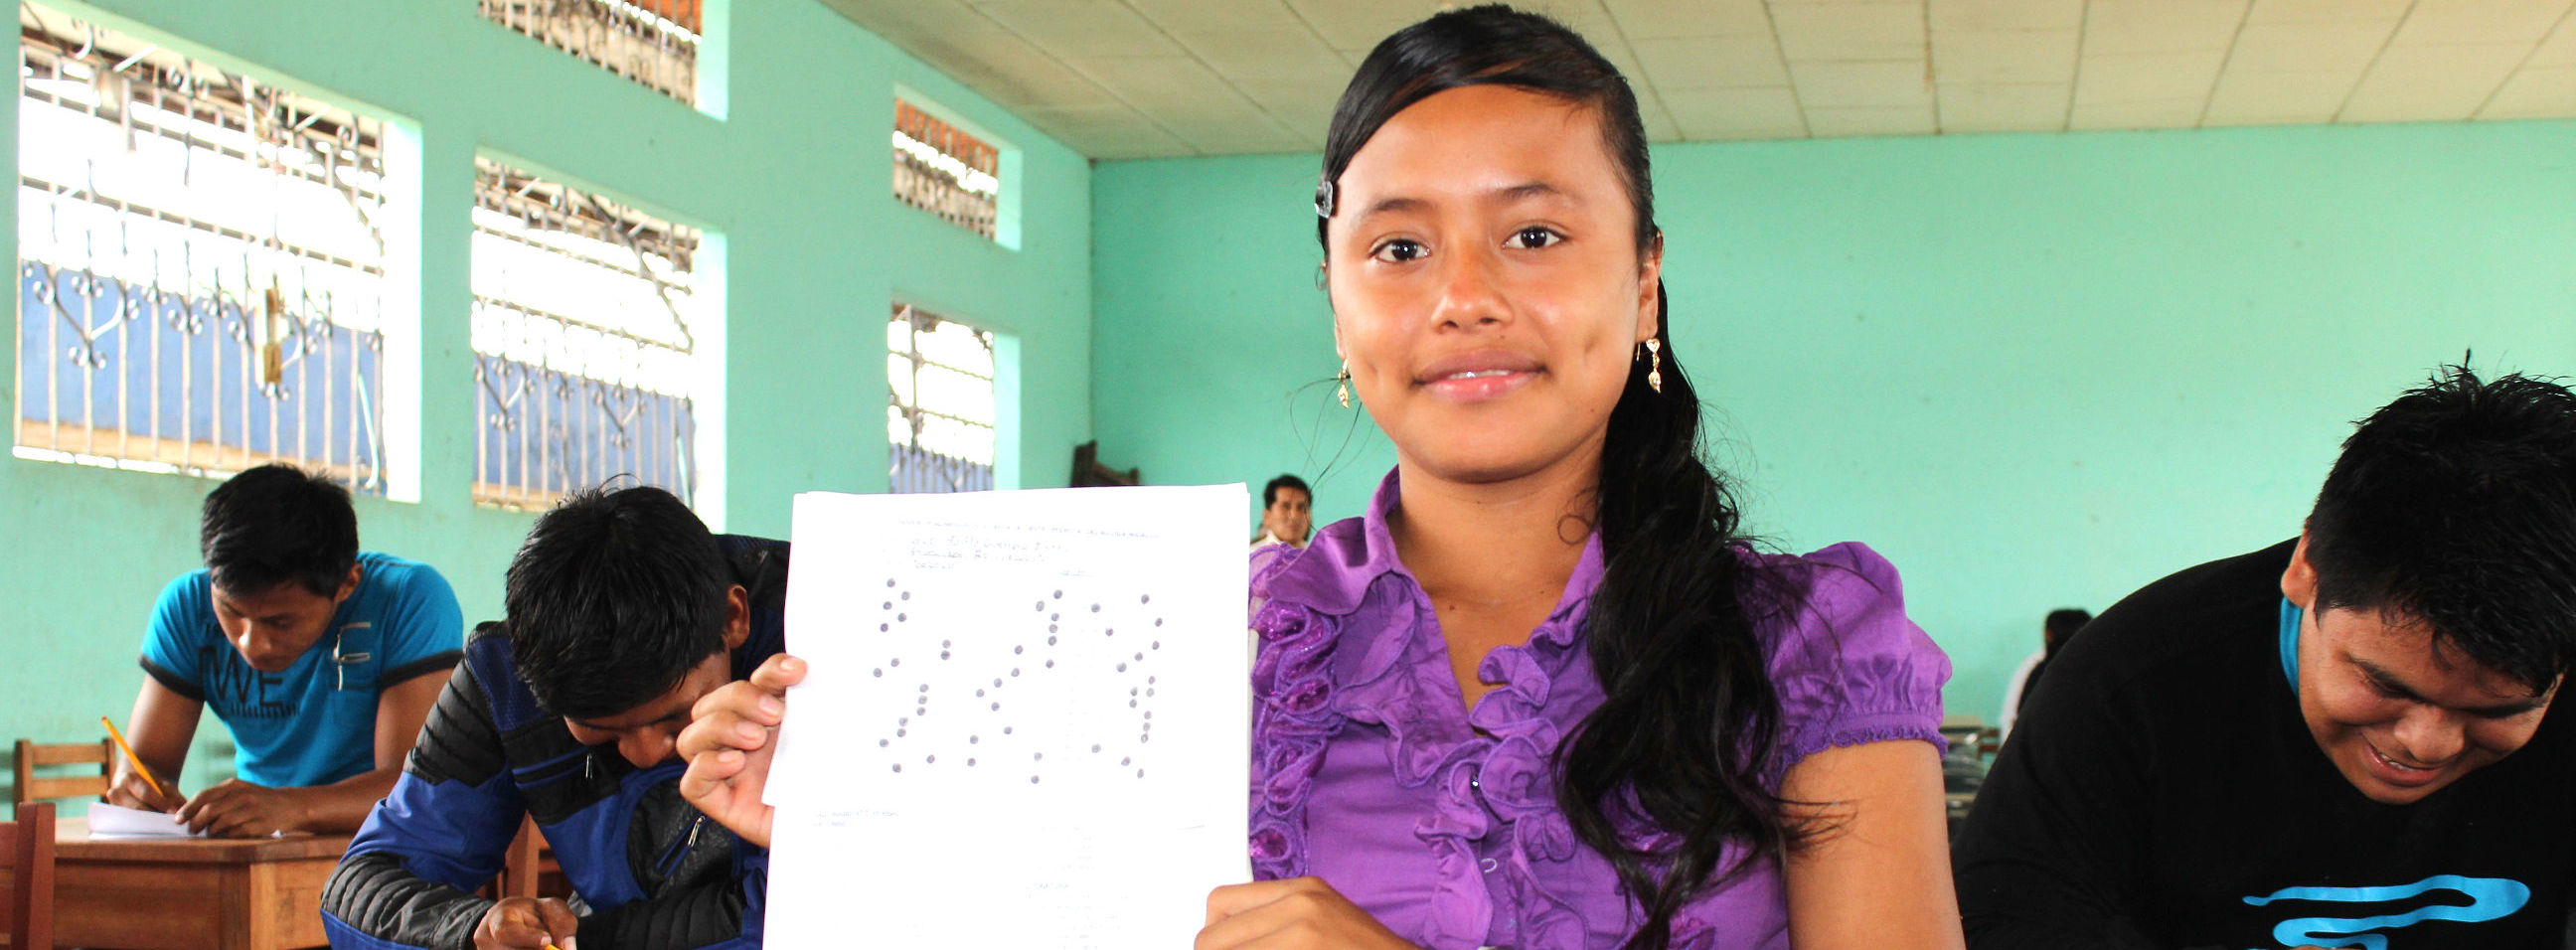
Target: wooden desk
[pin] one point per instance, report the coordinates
(182, 894)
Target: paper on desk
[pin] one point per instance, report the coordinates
(1026, 721)
(118, 821)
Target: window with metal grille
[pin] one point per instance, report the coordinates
(200, 265)
(939, 415)
(585, 363)
(946, 171)
(653, 42)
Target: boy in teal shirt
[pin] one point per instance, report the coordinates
(321, 658)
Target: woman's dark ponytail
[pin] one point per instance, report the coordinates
(1690, 723)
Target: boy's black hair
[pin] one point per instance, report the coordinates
(2455, 507)
(1270, 492)
(2062, 624)
(278, 524)
(613, 599)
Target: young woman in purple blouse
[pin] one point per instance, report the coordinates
(1542, 695)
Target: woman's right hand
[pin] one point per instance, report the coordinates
(131, 791)
(730, 739)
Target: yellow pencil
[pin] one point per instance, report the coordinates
(131, 757)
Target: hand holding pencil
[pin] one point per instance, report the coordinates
(134, 785)
(525, 923)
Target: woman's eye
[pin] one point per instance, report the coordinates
(1533, 238)
(1400, 251)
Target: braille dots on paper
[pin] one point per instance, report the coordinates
(1063, 619)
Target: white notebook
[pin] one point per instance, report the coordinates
(117, 821)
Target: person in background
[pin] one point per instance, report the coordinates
(2054, 632)
(622, 611)
(322, 660)
(1542, 694)
(1287, 513)
(2346, 739)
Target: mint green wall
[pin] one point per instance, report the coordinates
(2033, 371)
(795, 178)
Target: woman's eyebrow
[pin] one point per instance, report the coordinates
(1392, 204)
(1531, 189)
(1505, 194)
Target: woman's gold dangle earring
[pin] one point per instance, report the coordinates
(1655, 364)
(1343, 390)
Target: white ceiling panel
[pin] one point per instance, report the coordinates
(1659, 123)
(2432, 83)
(2017, 57)
(1037, 79)
(2246, 98)
(1081, 29)
(1862, 85)
(1994, 15)
(1771, 113)
(1676, 18)
(1182, 16)
(2534, 94)
(901, 22)
(2558, 50)
(1131, 78)
(1359, 24)
(2325, 11)
(2156, 114)
(1270, 51)
(1158, 85)
(1135, 139)
(1849, 31)
(1304, 107)
(2118, 27)
(1235, 133)
(1712, 62)
(2309, 47)
(1833, 122)
(2450, 22)
(2147, 77)
(2004, 107)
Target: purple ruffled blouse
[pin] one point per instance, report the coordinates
(1370, 772)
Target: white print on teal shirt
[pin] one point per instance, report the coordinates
(2490, 898)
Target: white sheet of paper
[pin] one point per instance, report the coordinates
(1026, 723)
(118, 821)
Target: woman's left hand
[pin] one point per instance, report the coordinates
(1290, 915)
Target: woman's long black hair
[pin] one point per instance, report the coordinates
(1689, 728)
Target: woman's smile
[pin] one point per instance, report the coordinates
(1479, 376)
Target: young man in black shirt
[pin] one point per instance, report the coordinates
(2343, 740)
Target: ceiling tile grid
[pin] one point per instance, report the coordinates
(1159, 78)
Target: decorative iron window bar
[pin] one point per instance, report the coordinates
(942, 169)
(200, 272)
(939, 411)
(652, 42)
(583, 362)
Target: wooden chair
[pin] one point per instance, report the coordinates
(529, 869)
(27, 846)
(1090, 472)
(33, 755)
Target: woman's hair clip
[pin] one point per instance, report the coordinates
(1324, 198)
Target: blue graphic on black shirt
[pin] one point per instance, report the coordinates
(2490, 898)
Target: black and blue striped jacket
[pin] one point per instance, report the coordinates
(650, 872)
